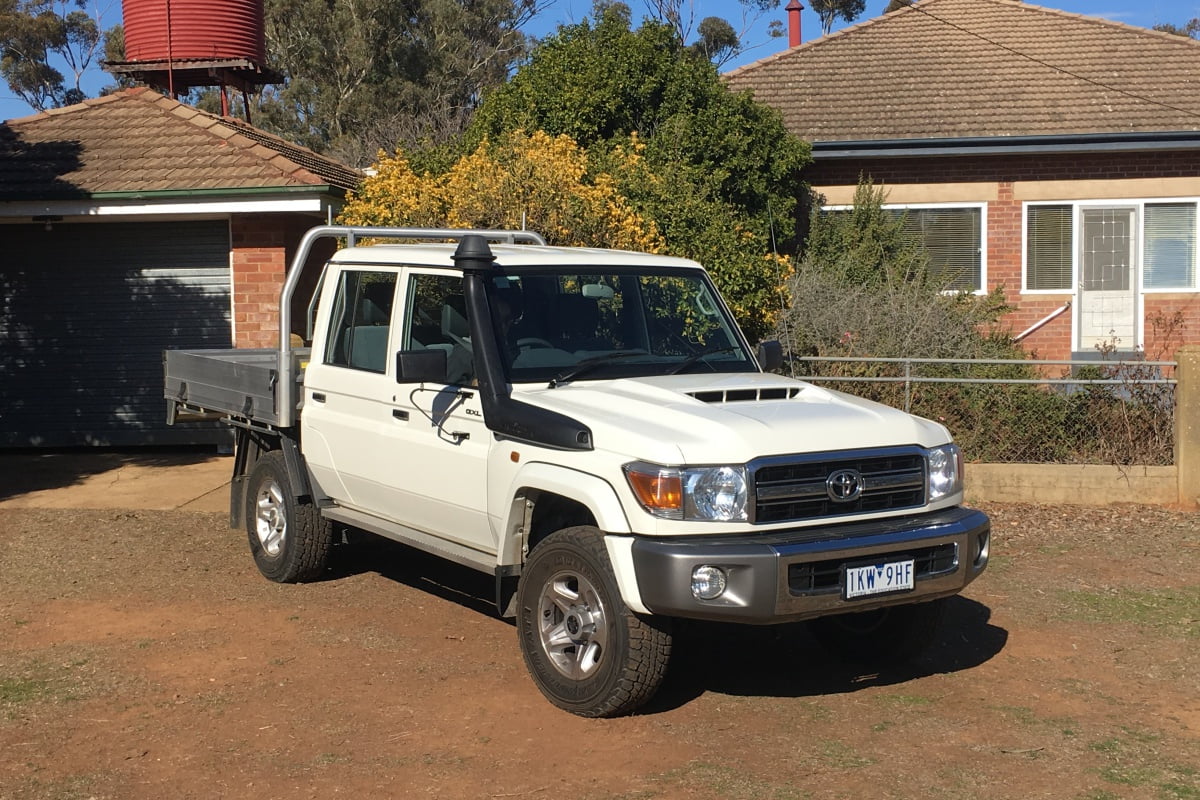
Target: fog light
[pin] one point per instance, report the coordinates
(982, 545)
(708, 583)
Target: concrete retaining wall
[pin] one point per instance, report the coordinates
(1077, 484)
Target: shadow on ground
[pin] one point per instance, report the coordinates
(742, 660)
(30, 470)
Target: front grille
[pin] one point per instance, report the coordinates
(797, 489)
(825, 577)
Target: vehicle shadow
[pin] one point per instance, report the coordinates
(742, 660)
(786, 661)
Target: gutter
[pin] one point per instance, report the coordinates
(1140, 141)
(247, 191)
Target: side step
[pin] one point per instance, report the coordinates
(459, 554)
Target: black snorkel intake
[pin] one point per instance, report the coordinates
(503, 415)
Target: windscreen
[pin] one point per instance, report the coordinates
(616, 324)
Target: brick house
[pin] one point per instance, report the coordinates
(130, 224)
(1051, 154)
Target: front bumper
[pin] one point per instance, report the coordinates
(799, 574)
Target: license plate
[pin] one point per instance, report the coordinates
(872, 579)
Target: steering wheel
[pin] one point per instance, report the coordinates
(533, 343)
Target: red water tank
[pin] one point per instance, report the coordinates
(173, 30)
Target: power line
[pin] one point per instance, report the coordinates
(1054, 67)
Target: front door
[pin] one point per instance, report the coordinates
(412, 453)
(1106, 306)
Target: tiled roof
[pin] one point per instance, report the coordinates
(967, 68)
(140, 141)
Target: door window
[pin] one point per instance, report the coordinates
(437, 319)
(362, 314)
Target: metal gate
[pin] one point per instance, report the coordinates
(86, 310)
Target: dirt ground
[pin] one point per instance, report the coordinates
(142, 656)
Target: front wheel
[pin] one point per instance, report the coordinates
(894, 634)
(289, 539)
(587, 652)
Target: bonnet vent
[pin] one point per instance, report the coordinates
(747, 395)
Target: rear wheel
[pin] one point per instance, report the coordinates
(893, 634)
(587, 652)
(289, 539)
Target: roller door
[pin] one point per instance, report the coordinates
(87, 309)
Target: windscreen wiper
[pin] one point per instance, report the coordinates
(694, 357)
(589, 364)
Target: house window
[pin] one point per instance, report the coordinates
(1167, 250)
(1170, 251)
(952, 239)
(1048, 254)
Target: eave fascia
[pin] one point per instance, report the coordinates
(324, 200)
(941, 147)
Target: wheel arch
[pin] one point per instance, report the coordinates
(547, 497)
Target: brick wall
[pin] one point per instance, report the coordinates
(259, 266)
(999, 177)
(263, 247)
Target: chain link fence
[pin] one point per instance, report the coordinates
(1058, 412)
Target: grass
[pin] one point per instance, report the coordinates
(1176, 611)
(18, 691)
(720, 780)
(1134, 758)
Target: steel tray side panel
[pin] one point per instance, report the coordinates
(237, 382)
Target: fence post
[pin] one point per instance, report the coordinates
(1187, 424)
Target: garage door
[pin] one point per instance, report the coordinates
(87, 310)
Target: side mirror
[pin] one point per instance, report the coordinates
(421, 366)
(770, 355)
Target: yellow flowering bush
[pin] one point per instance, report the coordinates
(533, 181)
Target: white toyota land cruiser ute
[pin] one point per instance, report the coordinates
(591, 428)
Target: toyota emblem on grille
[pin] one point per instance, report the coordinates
(844, 485)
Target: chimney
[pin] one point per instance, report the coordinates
(794, 8)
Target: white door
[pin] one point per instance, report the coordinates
(438, 463)
(413, 453)
(1106, 306)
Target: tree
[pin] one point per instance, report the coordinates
(534, 180)
(716, 38)
(39, 36)
(864, 288)
(830, 11)
(719, 173)
(364, 75)
(1191, 28)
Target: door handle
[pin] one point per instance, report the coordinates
(318, 397)
(400, 414)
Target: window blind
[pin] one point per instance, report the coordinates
(1170, 237)
(1048, 247)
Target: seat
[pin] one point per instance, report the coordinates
(573, 321)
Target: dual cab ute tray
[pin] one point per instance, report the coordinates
(237, 383)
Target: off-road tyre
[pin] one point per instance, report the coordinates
(289, 539)
(587, 652)
(884, 636)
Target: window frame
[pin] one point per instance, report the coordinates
(983, 229)
(1139, 205)
(342, 315)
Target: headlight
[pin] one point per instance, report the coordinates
(945, 471)
(694, 493)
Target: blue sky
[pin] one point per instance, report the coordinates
(1142, 13)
